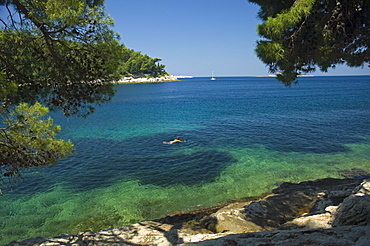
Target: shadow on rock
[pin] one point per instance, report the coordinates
(289, 201)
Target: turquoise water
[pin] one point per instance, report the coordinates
(244, 137)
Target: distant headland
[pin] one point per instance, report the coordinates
(168, 78)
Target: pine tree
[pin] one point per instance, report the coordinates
(53, 54)
(299, 36)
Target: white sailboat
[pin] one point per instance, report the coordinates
(213, 78)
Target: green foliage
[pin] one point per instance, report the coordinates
(275, 27)
(300, 36)
(270, 51)
(63, 55)
(60, 53)
(137, 64)
(28, 140)
(6, 88)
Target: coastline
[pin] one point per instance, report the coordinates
(353, 155)
(133, 80)
(319, 212)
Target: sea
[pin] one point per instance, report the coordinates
(244, 137)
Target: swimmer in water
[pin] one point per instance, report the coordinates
(176, 140)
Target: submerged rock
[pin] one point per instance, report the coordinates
(320, 212)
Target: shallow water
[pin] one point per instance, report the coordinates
(244, 137)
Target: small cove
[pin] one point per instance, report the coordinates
(244, 137)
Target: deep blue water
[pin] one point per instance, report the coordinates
(244, 136)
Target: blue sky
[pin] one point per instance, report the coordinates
(196, 37)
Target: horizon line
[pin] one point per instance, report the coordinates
(272, 75)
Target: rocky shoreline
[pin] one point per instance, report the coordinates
(133, 80)
(321, 212)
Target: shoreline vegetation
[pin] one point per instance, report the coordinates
(170, 78)
(134, 80)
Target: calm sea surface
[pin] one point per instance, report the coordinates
(244, 136)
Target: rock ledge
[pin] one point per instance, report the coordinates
(321, 212)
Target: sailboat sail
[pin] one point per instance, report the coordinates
(213, 78)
